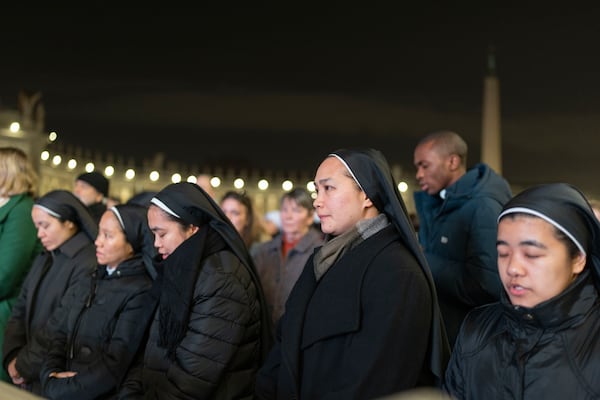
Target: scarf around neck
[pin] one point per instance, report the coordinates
(177, 281)
(335, 248)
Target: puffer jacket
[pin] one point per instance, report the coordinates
(97, 332)
(219, 356)
(551, 351)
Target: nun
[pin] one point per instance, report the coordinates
(67, 232)
(540, 341)
(211, 330)
(100, 324)
(362, 320)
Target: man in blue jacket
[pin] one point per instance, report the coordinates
(458, 210)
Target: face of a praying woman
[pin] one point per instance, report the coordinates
(112, 247)
(51, 231)
(168, 233)
(534, 260)
(340, 203)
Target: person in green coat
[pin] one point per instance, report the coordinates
(18, 237)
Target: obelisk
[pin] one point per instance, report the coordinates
(491, 144)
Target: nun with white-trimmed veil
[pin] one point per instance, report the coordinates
(362, 320)
(100, 327)
(211, 329)
(67, 232)
(540, 341)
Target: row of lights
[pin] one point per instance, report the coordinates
(154, 176)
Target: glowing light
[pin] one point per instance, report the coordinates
(72, 164)
(402, 187)
(192, 179)
(263, 184)
(129, 174)
(52, 136)
(238, 183)
(287, 185)
(109, 171)
(215, 181)
(176, 178)
(310, 186)
(45, 155)
(154, 176)
(89, 167)
(56, 160)
(15, 127)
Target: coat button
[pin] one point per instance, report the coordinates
(528, 317)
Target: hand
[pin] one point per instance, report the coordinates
(17, 379)
(62, 374)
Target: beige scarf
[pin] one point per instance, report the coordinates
(339, 245)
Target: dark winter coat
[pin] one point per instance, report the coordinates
(96, 211)
(362, 331)
(458, 236)
(97, 331)
(550, 351)
(220, 353)
(51, 275)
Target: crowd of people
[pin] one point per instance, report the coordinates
(178, 294)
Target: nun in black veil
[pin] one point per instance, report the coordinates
(540, 341)
(67, 232)
(363, 319)
(211, 329)
(101, 324)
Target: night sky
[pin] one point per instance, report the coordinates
(299, 82)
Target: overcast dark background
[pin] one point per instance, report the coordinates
(297, 81)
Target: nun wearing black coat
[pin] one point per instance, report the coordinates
(362, 321)
(67, 232)
(101, 324)
(542, 339)
(211, 329)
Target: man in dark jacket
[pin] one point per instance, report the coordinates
(457, 212)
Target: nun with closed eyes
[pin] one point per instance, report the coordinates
(211, 329)
(67, 232)
(363, 320)
(540, 341)
(96, 333)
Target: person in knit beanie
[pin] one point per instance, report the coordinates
(92, 189)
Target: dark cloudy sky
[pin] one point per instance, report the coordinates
(300, 80)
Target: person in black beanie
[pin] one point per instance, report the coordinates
(92, 189)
